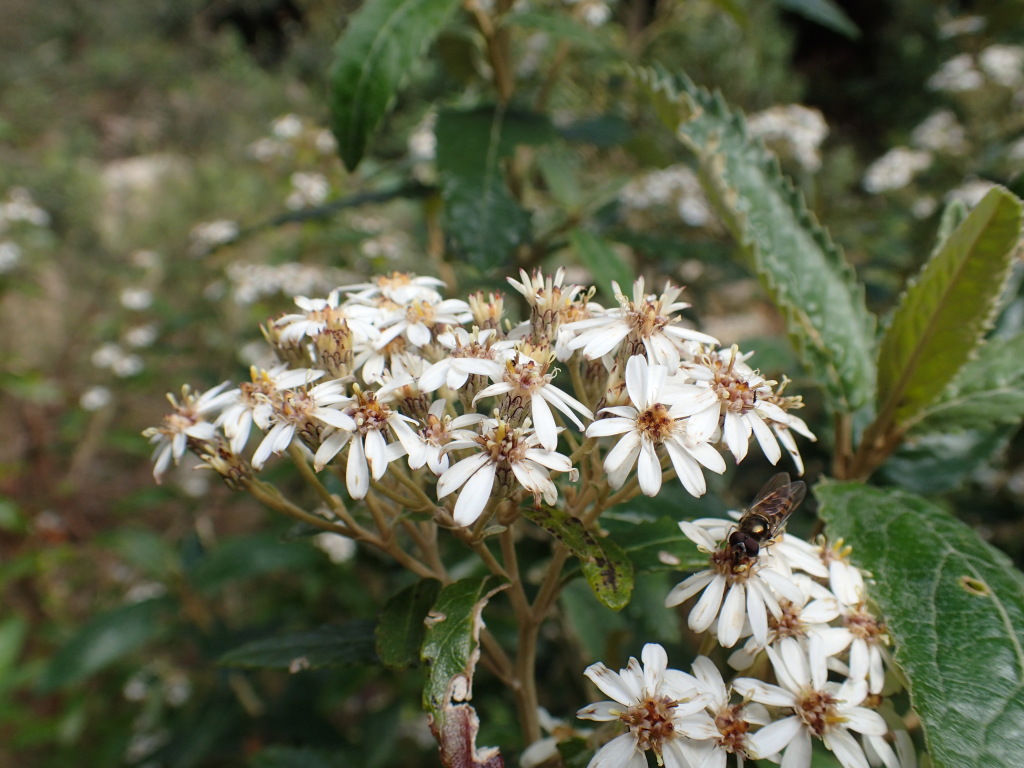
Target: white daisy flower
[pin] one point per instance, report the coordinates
(469, 354)
(654, 702)
(526, 383)
(369, 453)
(727, 730)
(253, 402)
(304, 412)
(821, 709)
(417, 319)
(746, 405)
(545, 749)
(867, 638)
(734, 593)
(438, 431)
(397, 287)
(657, 418)
(644, 319)
(845, 579)
(502, 449)
(189, 421)
(550, 301)
(319, 315)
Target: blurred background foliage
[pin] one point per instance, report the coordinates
(167, 182)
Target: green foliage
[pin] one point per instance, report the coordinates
(106, 639)
(954, 606)
(484, 221)
(945, 312)
(805, 273)
(342, 645)
(824, 12)
(607, 569)
(602, 261)
(383, 42)
(401, 627)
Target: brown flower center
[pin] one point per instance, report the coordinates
(651, 722)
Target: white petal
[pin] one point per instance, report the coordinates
(611, 684)
(765, 693)
(705, 541)
(758, 616)
(655, 663)
(376, 449)
(329, 448)
(620, 752)
(549, 459)
(648, 469)
(544, 423)
(357, 473)
(602, 711)
(730, 622)
(620, 459)
(706, 609)
(737, 435)
(687, 470)
(474, 496)
(687, 588)
(613, 426)
(765, 438)
(775, 737)
(798, 753)
(703, 424)
(459, 473)
(846, 748)
(863, 720)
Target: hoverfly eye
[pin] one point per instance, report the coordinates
(751, 546)
(737, 538)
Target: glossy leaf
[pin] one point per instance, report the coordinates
(945, 312)
(400, 629)
(380, 46)
(954, 606)
(450, 649)
(824, 12)
(805, 273)
(607, 569)
(600, 258)
(485, 223)
(342, 645)
(660, 546)
(102, 641)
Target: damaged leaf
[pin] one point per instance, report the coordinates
(451, 649)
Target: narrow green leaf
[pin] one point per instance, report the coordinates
(944, 313)
(955, 609)
(12, 638)
(400, 629)
(806, 275)
(823, 12)
(450, 649)
(485, 223)
(607, 569)
(107, 638)
(382, 42)
(600, 258)
(343, 645)
(987, 391)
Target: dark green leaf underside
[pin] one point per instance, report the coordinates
(955, 609)
(400, 629)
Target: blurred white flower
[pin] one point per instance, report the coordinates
(957, 75)
(895, 169)
(792, 130)
(1004, 64)
(95, 398)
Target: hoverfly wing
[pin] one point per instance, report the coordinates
(773, 485)
(778, 499)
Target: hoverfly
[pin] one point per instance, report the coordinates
(766, 516)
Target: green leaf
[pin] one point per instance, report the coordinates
(806, 275)
(400, 629)
(485, 223)
(450, 649)
(342, 645)
(102, 641)
(560, 27)
(823, 12)
(659, 546)
(607, 569)
(955, 609)
(600, 258)
(944, 313)
(987, 391)
(941, 461)
(278, 756)
(383, 41)
(244, 557)
(13, 632)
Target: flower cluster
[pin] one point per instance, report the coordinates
(479, 409)
(801, 607)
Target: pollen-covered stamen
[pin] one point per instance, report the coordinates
(420, 312)
(733, 388)
(733, 729)
(368, 413)
(298, 407)
(819, 711)
(865, 626)
(650, 720)
(789, 622)
(487, 312)
(436, 431)
(733, 563)
(838, 550)
(656, 423)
